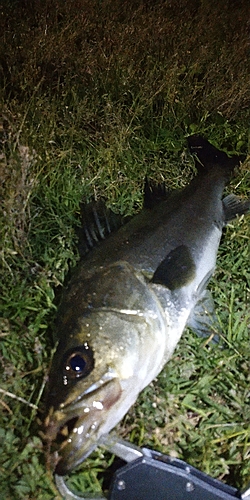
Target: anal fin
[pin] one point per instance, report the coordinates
(233, 206)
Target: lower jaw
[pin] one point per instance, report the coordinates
(65, 466)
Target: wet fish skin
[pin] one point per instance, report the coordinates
(128, 304)
(127, 342)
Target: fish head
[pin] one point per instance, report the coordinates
(102, 362)
(85, 384)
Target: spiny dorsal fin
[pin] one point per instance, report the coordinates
(98, 222)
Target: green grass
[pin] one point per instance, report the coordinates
(94, 97)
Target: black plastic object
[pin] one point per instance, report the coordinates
(158, 477)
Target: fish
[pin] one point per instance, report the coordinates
(130, 299)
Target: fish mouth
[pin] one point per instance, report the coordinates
(73, 432)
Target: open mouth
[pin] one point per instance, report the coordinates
(70, 442)
(65, 431)
(72, 432)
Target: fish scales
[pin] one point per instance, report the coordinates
(129, 302)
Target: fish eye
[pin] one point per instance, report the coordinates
(78, 362)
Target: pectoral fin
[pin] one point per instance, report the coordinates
(176, 270)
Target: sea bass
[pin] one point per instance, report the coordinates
(129, 301)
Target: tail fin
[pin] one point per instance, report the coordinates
(208, 155)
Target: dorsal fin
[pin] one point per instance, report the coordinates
(154, 193)
(98, 222)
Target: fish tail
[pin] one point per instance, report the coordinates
(208, 156)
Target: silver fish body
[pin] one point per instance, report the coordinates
(128, 304)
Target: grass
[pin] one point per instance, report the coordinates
(93, 98)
